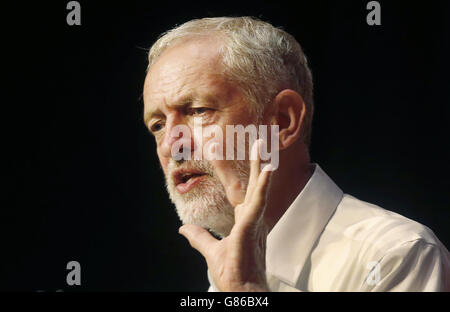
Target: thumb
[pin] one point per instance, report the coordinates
(199, 238)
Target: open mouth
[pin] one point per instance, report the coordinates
(187, 176)
(186, 179)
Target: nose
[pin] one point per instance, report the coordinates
(178, 141)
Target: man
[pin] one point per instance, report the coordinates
(289, 229)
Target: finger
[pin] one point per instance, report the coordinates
(258, 200)
(264, 178)
(199, 238)
(262, 186)
(255, 161)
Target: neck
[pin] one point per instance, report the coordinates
(288, 181)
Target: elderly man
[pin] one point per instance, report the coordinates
(261, 229)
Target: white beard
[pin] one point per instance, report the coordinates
(206, 204)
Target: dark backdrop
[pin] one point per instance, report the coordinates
(82, 179)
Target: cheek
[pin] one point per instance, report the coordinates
(164, 161)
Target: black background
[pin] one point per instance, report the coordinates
(82, 179)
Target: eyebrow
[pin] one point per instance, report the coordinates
(149, 115)
(181, 103)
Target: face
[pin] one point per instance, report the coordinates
(186, 83)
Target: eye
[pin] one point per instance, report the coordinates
(198, 110)
(156, 127)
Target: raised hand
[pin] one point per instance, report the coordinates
(237, 262)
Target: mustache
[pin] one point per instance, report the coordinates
(242, 168)
(199, 165)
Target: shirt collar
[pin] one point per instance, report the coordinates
(292, 239)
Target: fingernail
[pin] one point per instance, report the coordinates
(267, 167)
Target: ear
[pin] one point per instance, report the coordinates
(289, 114)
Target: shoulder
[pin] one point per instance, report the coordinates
(369, 232)
(360, 235)
(380, 229)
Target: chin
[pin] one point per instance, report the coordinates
(215, 216)
(206, 205)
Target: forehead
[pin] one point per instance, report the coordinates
(189, 68)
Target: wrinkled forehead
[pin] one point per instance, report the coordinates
(186, 72)
(187, 65)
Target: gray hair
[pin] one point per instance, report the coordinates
(260, 58)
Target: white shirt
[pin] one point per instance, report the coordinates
(331, 241)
